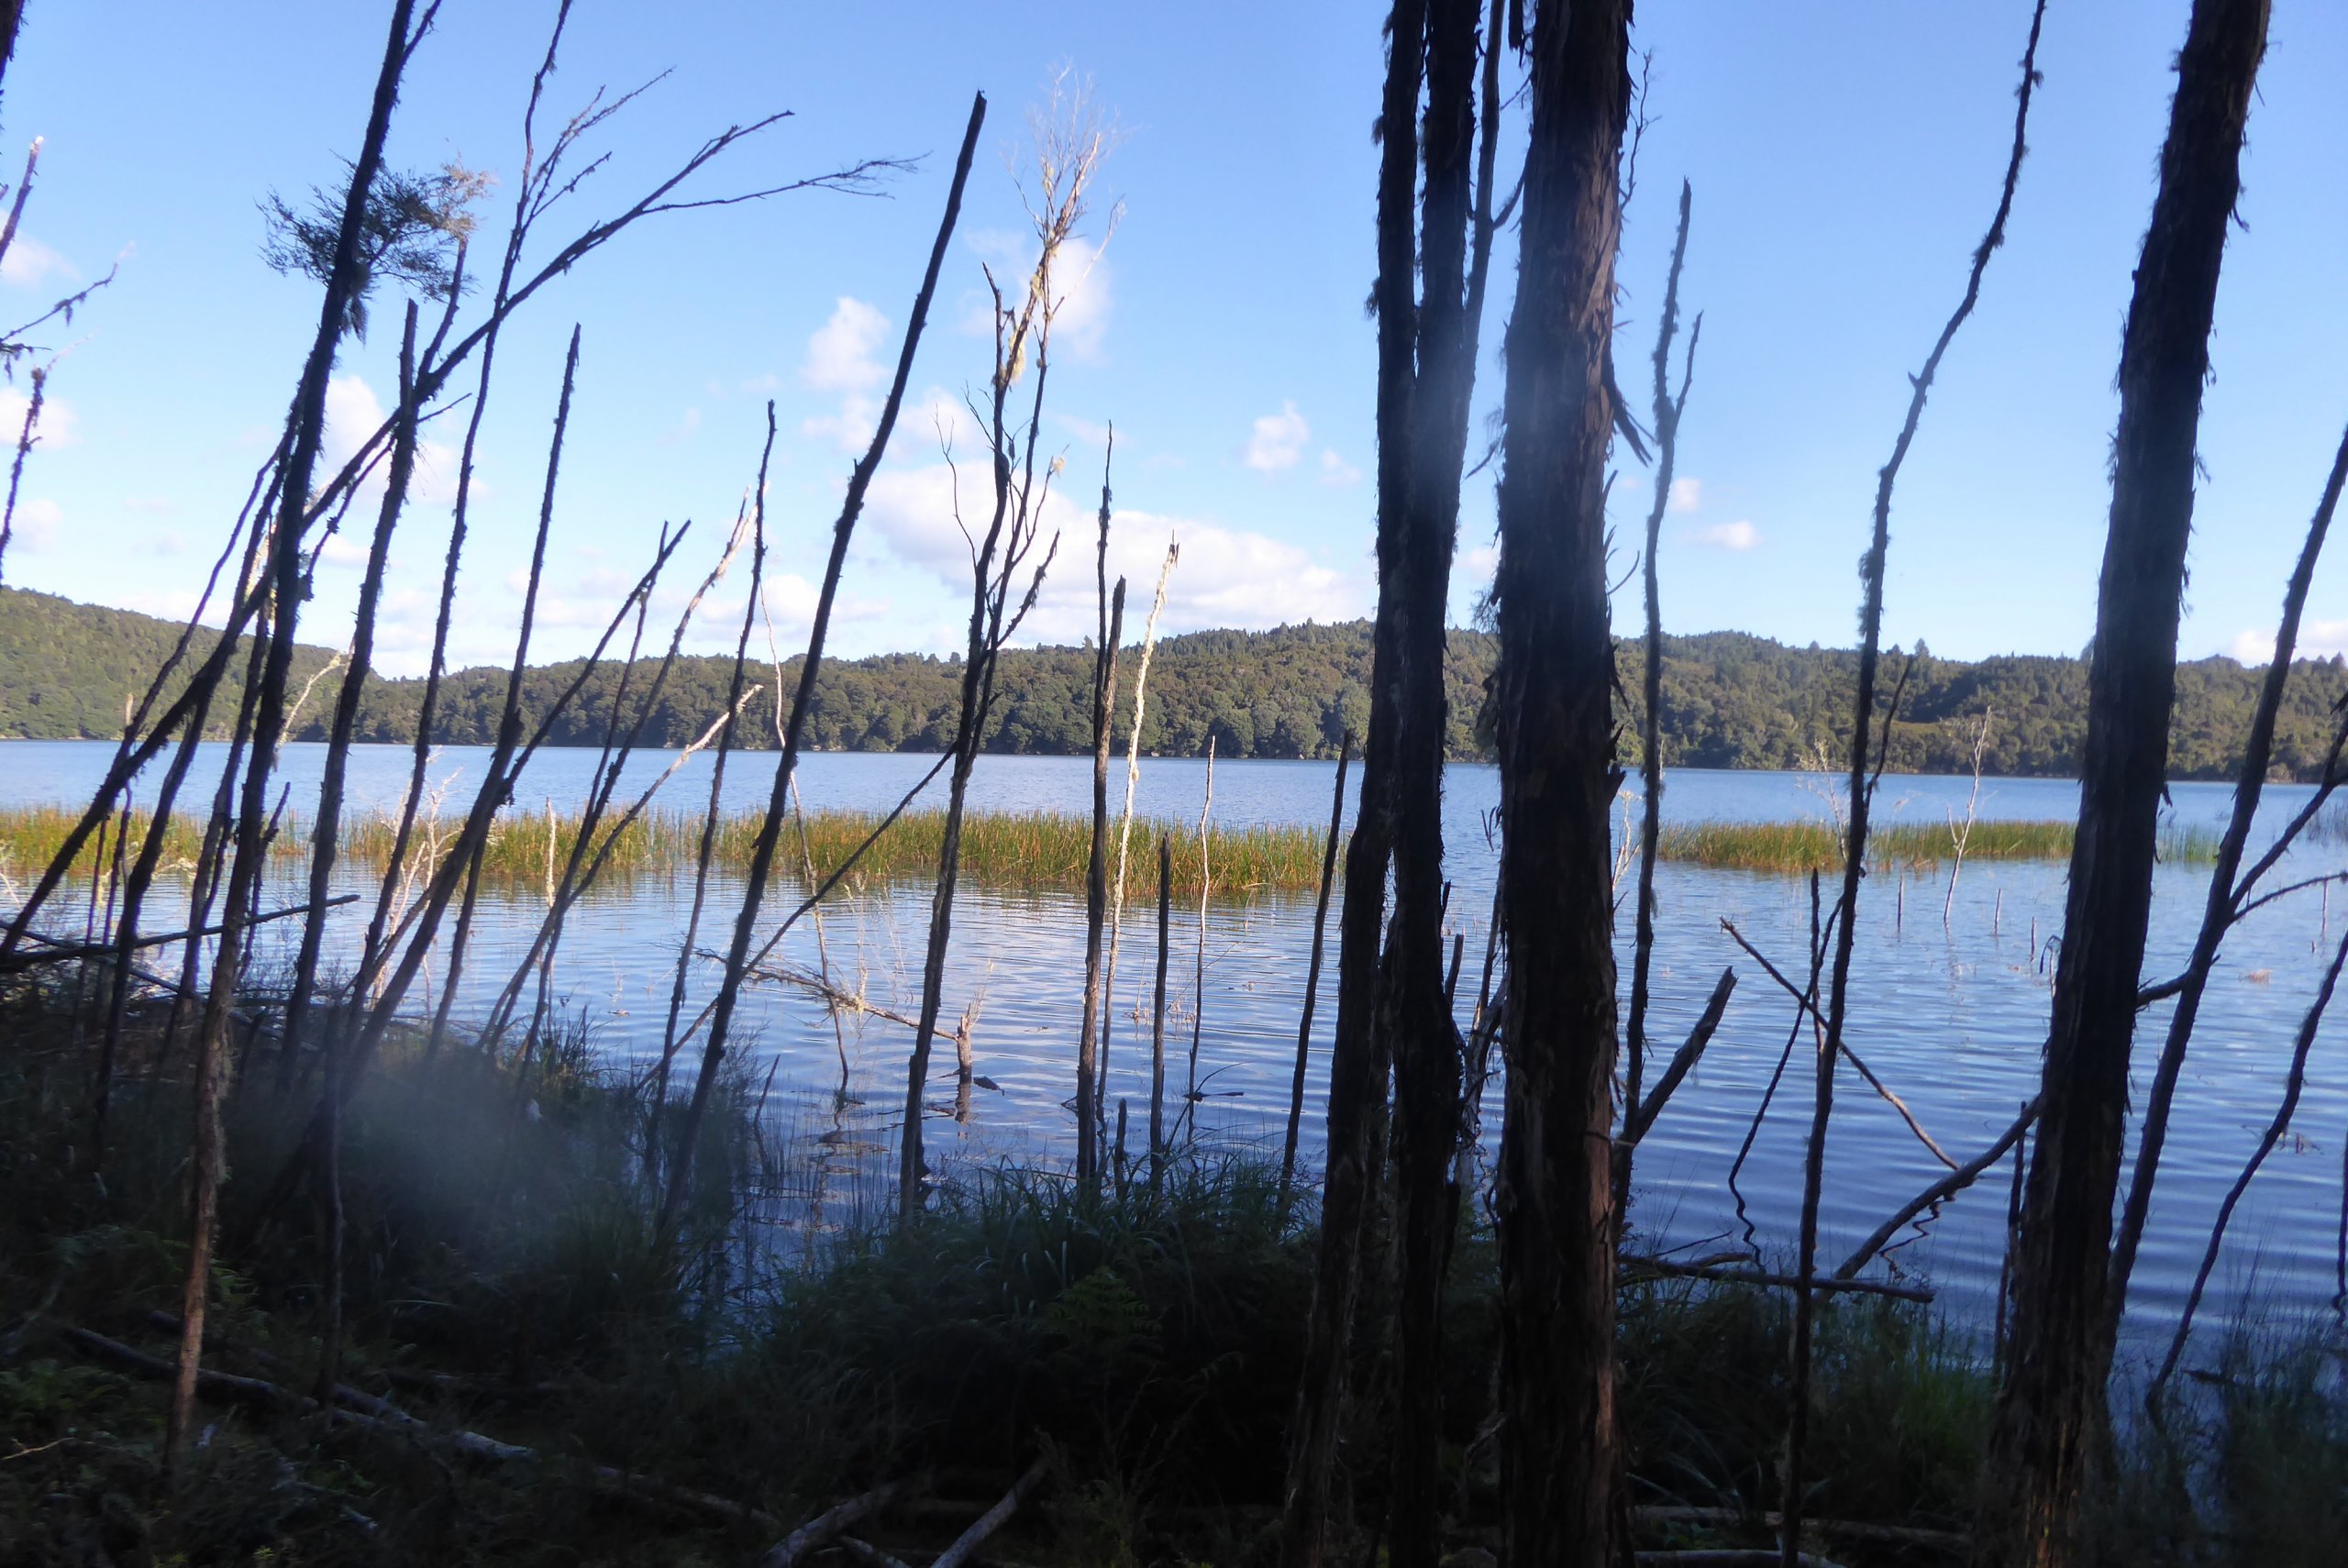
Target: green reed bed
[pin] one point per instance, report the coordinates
(30, 837)
(999, 849)
(1049, 849)
(1039, 849)
(1799, 846)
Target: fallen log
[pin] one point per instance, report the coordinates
(1638, 1268)
(1728, 1557)
(365, 1412)
(864, 1551)
(966, 1546)
(828, 1526)
(1844, 1529)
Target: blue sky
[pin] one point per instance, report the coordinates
(1844, 160)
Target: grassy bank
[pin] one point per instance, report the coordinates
(507, 1278)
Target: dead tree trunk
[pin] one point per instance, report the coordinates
(1096, 873)
(2048, 1407)
(325, 833)
(762, 851)
(1157, 1008)
(1558, 777)
(286, 571)
(1312, 972)
(1668, 411)
(1429, 299)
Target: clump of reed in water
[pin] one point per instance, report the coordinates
(1042, 849)
(30, 837)
(1798, 846)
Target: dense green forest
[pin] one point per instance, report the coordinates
(1731, 700)
(67, 668)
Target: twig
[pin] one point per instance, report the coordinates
(1941, 1191)
(1636, 1122)
(2294, 1081)
(1871, 574)
(2224, 907)
(1666, 1267)
(1312, 970)
(1810, 1007)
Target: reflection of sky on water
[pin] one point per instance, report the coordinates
(1952, 1017)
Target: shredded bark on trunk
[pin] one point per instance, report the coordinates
(1552, 687)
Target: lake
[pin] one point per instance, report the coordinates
(1950, 1013)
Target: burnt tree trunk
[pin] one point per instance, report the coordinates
(1558, 777)
(213, 1064)
(1096, 872)
(2049, 1407)
(1418, 525)
(1391, 1005)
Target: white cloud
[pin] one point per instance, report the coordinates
(353, 413)
(682, 431)
(1081, 291)
(1277, 441)
(840, 353)
(58, 426)
(1335, 470)
(1093, 433)
(2317, 640)
(1739, 535)
(36, 523)
(157, 505)
(851, 428)
(1081, 320)
(1687, 494)
(342, 550)
(1226, 577)
(29, 264)
(171, 542)
(167, 603)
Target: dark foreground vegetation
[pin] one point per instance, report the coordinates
(534, 1373)
(1729, 700)
(301, 1268)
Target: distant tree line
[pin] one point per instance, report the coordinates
(1729, 700)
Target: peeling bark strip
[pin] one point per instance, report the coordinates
(1559, 777)
(2050, 1402)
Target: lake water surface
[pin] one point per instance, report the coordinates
(1951, 1014)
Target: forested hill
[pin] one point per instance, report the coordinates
(65, 669)
(1729, 700)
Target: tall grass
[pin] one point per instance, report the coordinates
(1049, 849)
(1026, 849)
(1804, 846)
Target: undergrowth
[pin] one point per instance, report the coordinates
(507, 1275)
